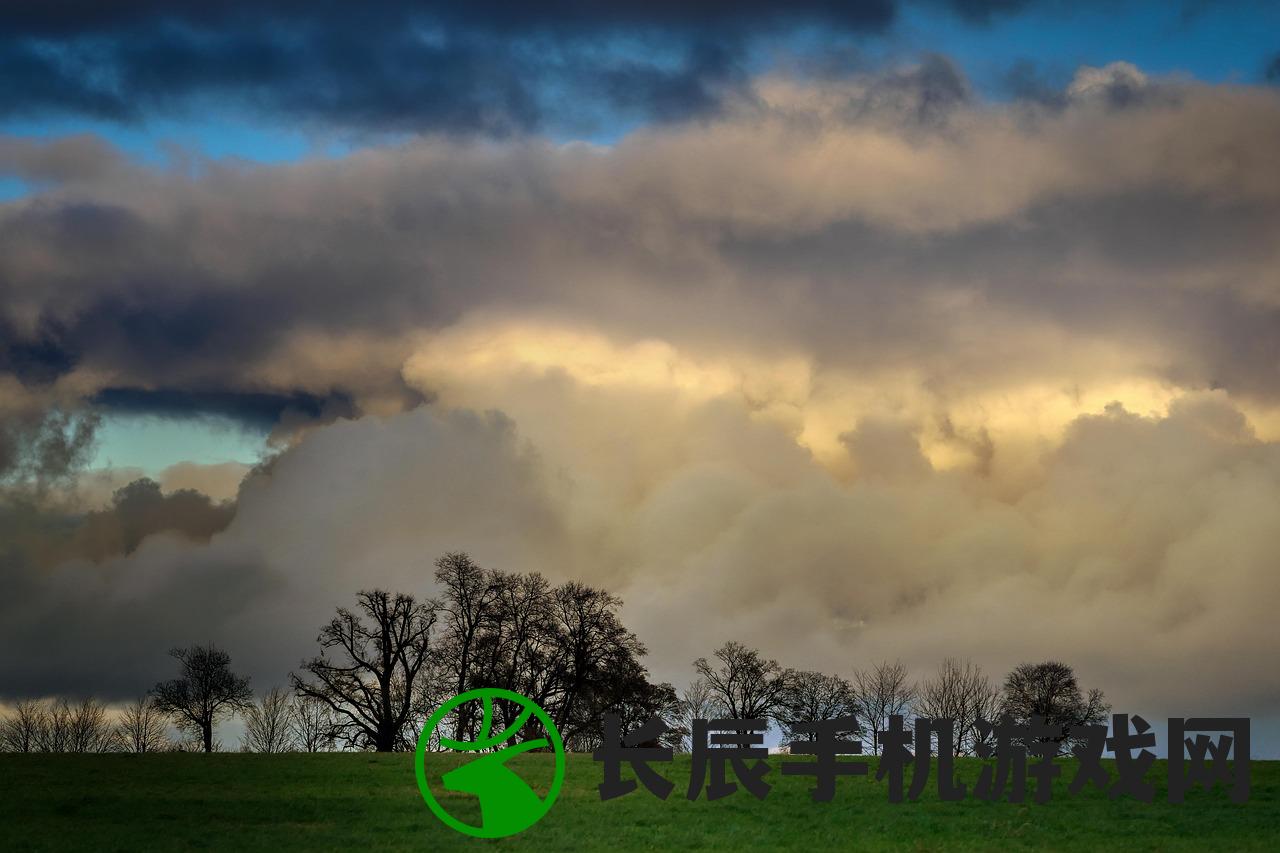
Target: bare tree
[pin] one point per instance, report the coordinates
(142, 728)
(470, 596)
(747, 685)
(20, 731)
(206, 691)
(267, 723)
(312, 724)
(962, 693)
(53, 734)
(595, 662)
(1050, 690)
(697, 702)
(89, 729)
(882, 692)
(371, 691)
(814, 696)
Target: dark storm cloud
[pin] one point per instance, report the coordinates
(37, 359)
(79, 17)
(497, 67)
(261, 410)
(257, 290)
(132, 294)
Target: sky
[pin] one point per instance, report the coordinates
(851, 331)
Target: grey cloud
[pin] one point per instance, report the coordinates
(908, 192)
(264, 584)
(1108, 551)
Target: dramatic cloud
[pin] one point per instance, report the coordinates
(492, 66)
(1143, 553)
(860, 367)
(888, 229)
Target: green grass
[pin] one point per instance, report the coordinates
(371, 802)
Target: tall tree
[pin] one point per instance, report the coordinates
(881, 692)
(562, 646)
(371, 686)
(596, 660)
(747, 685)
(206, 691)
(142, 727)
(267, 723)
(468, 598)
(962, 693)
(1050, 690)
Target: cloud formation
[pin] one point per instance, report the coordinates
(860, 367)
(412, 65)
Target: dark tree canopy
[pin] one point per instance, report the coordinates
(206, 691)
(562, 646)
(812, 697)
(372, 683)
(1050, 690)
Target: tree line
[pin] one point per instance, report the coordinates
(386, 664)
(740, 683)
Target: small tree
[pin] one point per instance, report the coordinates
(882, 692)
(747, 685)
(268, 723)
(206, 691)
(89, 730)
(312, 724)
(20, 730)
(142, 727)
(697, 702)
(54, 732)
(371, 690)
(962, 693)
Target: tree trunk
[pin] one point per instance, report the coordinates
(207, 732)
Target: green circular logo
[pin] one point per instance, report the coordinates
(507, 802)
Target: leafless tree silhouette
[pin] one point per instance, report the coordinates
(370, 686)
(881, 692)
(747, 685)
(962, 693)
(20, 731)
(267, 723)
(206, 691)
(142, 727)
(313, 725)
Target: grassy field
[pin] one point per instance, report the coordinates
(371, 802)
